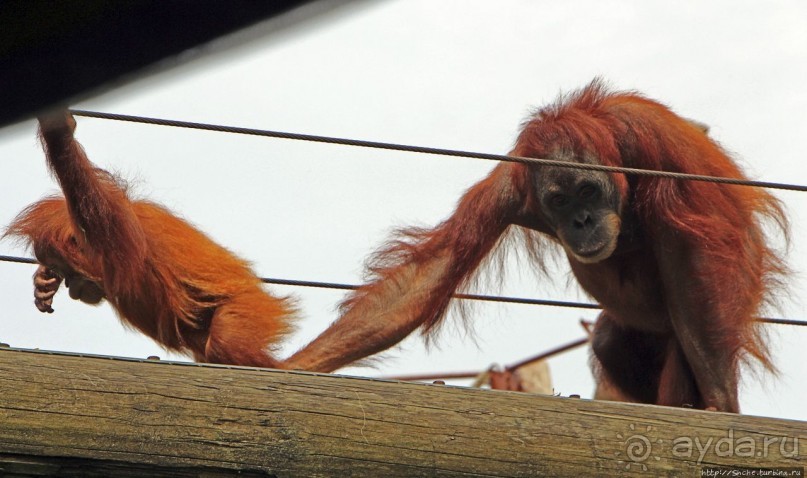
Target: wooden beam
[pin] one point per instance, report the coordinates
(67, 415)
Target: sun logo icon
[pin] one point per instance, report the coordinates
(638, 448)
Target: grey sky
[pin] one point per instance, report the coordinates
(452, 74)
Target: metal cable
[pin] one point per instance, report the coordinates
(21, 260)
(485, 298)
(338, 286)
(508, 368)
(436, 151)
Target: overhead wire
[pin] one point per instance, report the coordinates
(434, 151)
(479, 297)
(441, 152)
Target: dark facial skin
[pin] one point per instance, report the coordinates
(582, 209)
(47, 280)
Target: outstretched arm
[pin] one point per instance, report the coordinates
(102, 214)
(413, 279)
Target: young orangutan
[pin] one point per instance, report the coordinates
(163, 277)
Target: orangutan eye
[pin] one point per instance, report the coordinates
(586, 191)
(558, 200)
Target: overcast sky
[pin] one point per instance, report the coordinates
(450, 74)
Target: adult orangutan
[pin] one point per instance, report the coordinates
(163, 277)
(680, 268)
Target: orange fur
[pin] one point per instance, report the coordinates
(691, 270)
(723, 222)
(164, 277)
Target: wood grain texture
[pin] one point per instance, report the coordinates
(63, 415)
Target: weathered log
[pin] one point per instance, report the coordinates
(67, 415)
